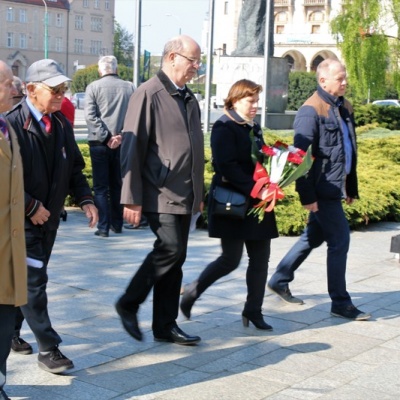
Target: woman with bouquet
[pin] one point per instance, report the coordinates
(232, 139)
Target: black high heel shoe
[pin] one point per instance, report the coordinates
(188, 299)
(258, 322)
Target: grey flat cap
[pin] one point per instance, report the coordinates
(47, 71)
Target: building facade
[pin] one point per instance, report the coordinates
(301, 30)
(78, 32)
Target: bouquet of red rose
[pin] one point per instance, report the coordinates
(282, 165)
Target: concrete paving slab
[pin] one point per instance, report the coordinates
(308, 355)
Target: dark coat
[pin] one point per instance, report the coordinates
(162, 150)
(231, 147)
(317, 123)
(42, 185)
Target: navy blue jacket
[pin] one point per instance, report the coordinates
(317, 123)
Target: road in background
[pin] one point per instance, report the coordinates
(80, 127)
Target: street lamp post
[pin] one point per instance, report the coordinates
(46, 23)
(177, 18)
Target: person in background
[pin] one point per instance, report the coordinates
(326, 122)
(13, 275)
(20, 90)
(162, 161)
(52, 165)
(106, 102)
(231, 146)
(68, 109)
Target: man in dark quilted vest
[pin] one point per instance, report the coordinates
(326, 122)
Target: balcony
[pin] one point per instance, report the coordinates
(314, 2)
(282, 3)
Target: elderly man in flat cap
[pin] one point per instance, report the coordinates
(53, 167)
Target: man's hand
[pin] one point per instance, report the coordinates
(349, 200)
(41, 216)
(132, 214)
(313, 207)
(114, 142)
(91, 214)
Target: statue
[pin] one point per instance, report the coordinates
(251, 30)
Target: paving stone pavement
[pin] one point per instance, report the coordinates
(308, 355)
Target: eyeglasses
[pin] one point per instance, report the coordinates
(195, 63)
(56, 90)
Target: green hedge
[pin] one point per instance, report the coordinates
(382, 116)
(378, 171)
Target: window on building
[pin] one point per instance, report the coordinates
(86, 3)
(10, 40)
(22, 16)
(95, 47)
(59, 44)
(78, 46)
(107, 5)
(10, 15)
(226, 8)
(96, 4)
(79, 22)
(290, 61)
(96, 24)
(316, 16)
(316, 29)
(23, 41)
(59, 20)
(279, 29)
(281, 17)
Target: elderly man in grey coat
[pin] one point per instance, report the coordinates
(106, 102)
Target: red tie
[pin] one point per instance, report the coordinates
(47, 122)
(3, 127)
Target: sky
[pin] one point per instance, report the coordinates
(185, 16)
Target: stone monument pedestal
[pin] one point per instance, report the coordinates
(229, 69)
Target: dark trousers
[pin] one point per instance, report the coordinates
(161, 270)
(7, 318)
(329, 224)
(39, 244)
(258, 252)
(107, 185)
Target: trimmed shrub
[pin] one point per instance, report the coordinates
(378, 172)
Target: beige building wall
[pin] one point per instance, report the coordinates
(79, 31)
(301, 29)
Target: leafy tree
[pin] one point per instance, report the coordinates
(123, 45)
(364, 46)
(83, 77)
(301, 86)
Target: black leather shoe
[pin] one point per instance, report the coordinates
(18, 345)
(116, 230)
(129, 321)
(101, 233)
(176, 335)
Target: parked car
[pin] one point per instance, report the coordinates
(389, 102)
(78, 100)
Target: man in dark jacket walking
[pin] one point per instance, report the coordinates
(326, 122)
(52, 165)
(162, 160)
